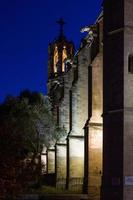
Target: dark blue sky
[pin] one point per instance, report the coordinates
(27, 27)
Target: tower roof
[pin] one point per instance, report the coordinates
(59, 50)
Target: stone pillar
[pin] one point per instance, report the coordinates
(51, 161)
(95, 160)
(75, 172)
(86, 159)
(95, 131)
(63, 121)
(60, 165)
(44, 162)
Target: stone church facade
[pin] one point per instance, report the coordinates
(75, 87)
(92, 95)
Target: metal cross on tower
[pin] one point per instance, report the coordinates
(61, 23)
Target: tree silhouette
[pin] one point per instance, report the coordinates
(26, 126)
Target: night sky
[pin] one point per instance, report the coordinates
(26, 28)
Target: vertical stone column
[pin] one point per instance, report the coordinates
(44, 162)
(51, 161)
(95, 160)
(75, 163)
(86, 158)
(60, 167)
(95, 132)
(79, 115)
(64, 121)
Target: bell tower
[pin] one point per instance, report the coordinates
(59, 50)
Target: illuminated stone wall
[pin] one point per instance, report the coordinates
(70, 159)
(64, 110)
(96, 125)
(79, 117)
(76, 163)
(79, 113)
(44, 162)
(80, 93)
(64, 121)
(50, 161)
(61, 169)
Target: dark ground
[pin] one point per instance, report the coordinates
(55, 197)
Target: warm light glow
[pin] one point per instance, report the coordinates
(95, 140)
(61, 155)
(64, 56)
(44, 162)
(55, 59)
(76, 152)
(44, 150)
(76, 147)
(51, 161)
(61, 151)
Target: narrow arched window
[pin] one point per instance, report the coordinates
(64, 56)
(56, 57)
(130, 63)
